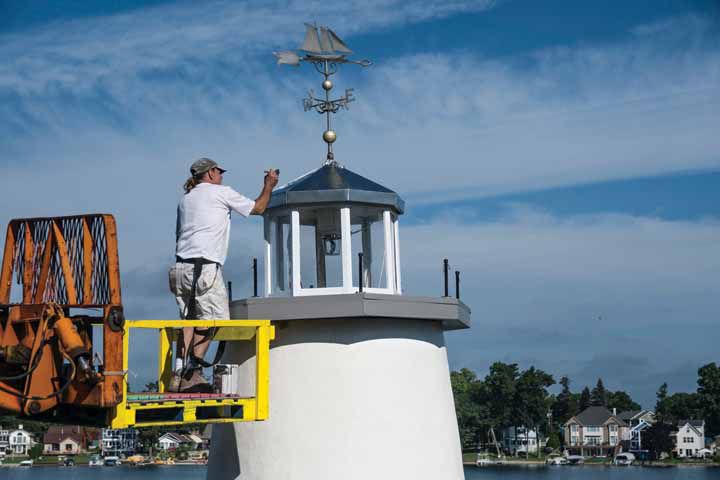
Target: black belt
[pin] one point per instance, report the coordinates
(195, 261)
(192, 311)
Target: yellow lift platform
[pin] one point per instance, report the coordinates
(149, 409)
(50, 367)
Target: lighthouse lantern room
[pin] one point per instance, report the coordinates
(332, 231)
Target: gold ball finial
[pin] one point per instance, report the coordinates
(329, 136)
(327, 85)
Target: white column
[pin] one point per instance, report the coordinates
(279, 255)
(398, 274)
(389, 250)
(268, 228)
(346, 249)
(367, 254)
(295, 224)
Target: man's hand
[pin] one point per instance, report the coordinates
(269, 182)
(271, 178)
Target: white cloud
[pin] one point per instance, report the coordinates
(82, 54)
(561, 293)
(173, 83)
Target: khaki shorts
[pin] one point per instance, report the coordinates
(210, 297)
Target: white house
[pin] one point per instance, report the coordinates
(119, 441)
(521, 441)
(638, 421)
(20, 441)
(690, 438)
(4, 440)
(171, 441)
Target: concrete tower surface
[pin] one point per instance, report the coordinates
(359, 378)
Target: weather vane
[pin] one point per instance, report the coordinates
(324, 49)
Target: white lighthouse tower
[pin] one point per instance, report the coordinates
(359, 377)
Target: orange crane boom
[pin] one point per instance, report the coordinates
(65, 266)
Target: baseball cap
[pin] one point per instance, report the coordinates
(203, 165)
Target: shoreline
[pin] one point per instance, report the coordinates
(536, 463)
(85, 465)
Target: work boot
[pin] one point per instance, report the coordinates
(175, 381)
(194, 382)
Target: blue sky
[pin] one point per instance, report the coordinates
(563, 154)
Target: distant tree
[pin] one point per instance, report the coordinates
(621, 401)
(500, 383)
(470, 411)
(681, 406)
(657, 439)
(709, 397)
(599, 395)
(584, 399)
(530, 405)
(565, 405)
(35, 451)
(661, 395)
(554, 441)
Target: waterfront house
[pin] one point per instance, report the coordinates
(172, 441)
(713, 445)
(521, 441)
(4, 440)
(595, 431)
(635, 417)
(64, 440)
(690, 438)
(20, 441)
(638, 421)
(119, 441)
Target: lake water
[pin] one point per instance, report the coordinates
(471, 473)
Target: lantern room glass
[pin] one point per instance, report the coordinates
(313, 250)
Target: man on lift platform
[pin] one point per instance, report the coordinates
(202, 238)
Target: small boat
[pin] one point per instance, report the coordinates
(575, 459)
(26, 463)
(624, 459)
(95, 461)
(486, 460)
(111, 461)
(556, 460)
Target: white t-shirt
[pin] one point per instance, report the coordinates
(203, 221)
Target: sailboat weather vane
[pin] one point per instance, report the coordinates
(326, 51)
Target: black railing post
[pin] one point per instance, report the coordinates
(254, 268)
(446, 269)
(457, 284)
(230, 290)
(360, 271)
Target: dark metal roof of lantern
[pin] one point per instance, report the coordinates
(333, 183)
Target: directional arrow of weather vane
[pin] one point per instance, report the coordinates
(324, 49)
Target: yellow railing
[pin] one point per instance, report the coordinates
(158, 411)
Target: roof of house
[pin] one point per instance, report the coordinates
(629, 414)
(59, 433)
(176, 437)
(596, 415)
(694, 423)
